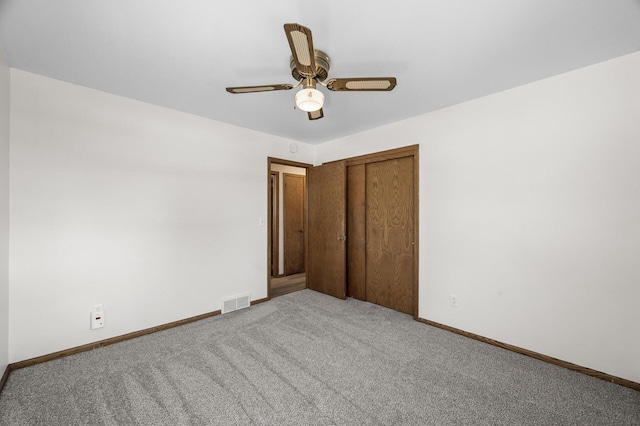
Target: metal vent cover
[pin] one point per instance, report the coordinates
(241, 301)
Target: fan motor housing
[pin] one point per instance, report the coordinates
(322, 66)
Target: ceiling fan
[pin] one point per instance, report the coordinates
(310, 67)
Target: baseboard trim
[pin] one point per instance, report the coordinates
(5, 377)
(255, 302)
(107, 342)
(584, 370)
(111, 341)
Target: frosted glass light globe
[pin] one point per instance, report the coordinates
(309, 100)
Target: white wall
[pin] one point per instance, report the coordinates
(282, 168)
(4, 211)
(151, 212)
(529, 206)
(530, 213)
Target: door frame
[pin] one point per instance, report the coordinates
(274, 222)
(270, 161)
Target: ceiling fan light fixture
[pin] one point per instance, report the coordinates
(309, 99)
(310, 67)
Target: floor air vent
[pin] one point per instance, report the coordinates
(231, 304)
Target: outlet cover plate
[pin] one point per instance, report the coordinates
(453, 300)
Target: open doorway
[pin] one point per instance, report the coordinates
(287, 221)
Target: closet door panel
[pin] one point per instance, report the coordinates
(356, 232)
(389, 234)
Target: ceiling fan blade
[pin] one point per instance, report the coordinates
(301, 44)
(266, 88)
(360, 84)
(314, 115)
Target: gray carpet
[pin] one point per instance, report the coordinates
(309, 359)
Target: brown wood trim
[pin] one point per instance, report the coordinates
(5, 377)
(110, 341)
(551, 360)
(274, 223)
(287, 163)
(390, 154)
(416, 227)
(255, 302)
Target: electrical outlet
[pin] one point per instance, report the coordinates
(97, 319)
(453, 300)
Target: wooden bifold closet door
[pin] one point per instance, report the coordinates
(374, 258)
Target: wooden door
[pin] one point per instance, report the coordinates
(390, 234)
(326, 267)
(356, 232)
(294, 218)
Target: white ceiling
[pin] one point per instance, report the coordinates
(182, 54)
